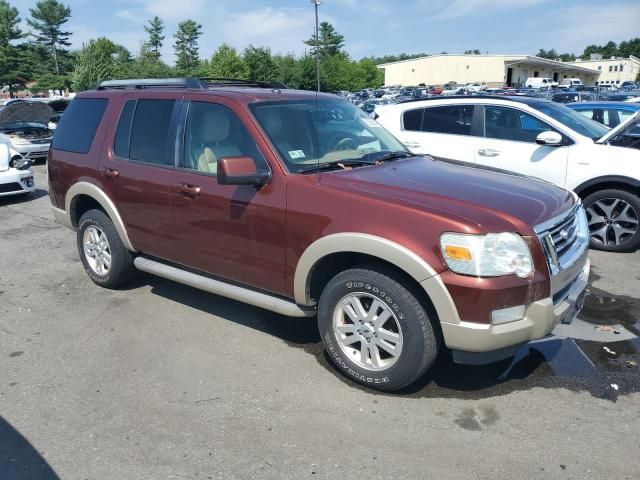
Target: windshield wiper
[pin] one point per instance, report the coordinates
(394, 155)
(344, 164)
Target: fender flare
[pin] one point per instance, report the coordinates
(632, 182)
(91, 190)
(378, 247)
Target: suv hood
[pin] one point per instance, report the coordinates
(629, 124)
(24, 111)
(494, 200)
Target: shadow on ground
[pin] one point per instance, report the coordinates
(19, 460)
(549, 363)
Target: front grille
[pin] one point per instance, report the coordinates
(10, 187)
(564, 234)
(35, 154)
(558, 236)
(41, 141)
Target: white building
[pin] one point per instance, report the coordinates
(495, 70)
(612, 70)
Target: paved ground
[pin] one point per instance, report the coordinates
(163, 381)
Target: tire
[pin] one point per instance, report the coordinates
(93, 226)
(613, 217)
(344, 336)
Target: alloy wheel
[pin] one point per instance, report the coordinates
(612, 221)
(97, 250)
(367, 331)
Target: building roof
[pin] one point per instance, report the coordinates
(509, 59)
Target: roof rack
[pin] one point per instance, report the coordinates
(188, 82)
(152, 83)
(237, 82)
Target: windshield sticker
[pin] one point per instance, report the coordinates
(370, 122)
(295, 154)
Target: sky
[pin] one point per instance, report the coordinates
(370, 27)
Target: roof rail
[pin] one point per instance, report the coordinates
(193, 83)
(237, 82)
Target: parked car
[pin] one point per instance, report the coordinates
(610, 114)
(568, 97)
(23, 127)
(16, 176)
(571, 82)
(268, 197)
(533, 137)
(632, 97)
(540, 82)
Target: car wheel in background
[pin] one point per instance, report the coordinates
(375, 330)
(106, 260)
(614, 220)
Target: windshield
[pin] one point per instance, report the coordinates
(21, 126)
(572, 119)
(307, 133)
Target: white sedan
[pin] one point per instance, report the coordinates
(16, 176)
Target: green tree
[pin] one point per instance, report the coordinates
(146, 65)
(226, 63)
(472, 52)
(286, 70)
(260, 64)
(156, 35)
(47, 19)
(49, 81)
(94, 64)
(630, 47)
(11, 56)
(186, 46)
(330, 42)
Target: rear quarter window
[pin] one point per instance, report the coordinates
(78, 125)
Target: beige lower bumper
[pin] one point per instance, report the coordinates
(540, 318)
(61, 217)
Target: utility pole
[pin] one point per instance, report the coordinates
(316, 4)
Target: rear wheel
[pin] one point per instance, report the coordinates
(614, 220)
(106, 260)
(375, 330)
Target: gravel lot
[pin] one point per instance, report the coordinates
(164, 381)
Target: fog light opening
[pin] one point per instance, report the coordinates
(507, 315)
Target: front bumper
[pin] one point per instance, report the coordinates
(14, 182)
(479, 343)
(32, 151)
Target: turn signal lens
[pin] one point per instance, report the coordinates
(455, 252)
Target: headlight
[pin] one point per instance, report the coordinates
(491, 255)
(583, 225)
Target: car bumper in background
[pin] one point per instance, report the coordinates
(14, 182)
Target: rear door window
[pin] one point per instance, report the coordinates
(78, 125)
(453, 119)
(152, 135)
(506, 123)
(123, 133)
(412, 120)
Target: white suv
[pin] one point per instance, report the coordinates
(539, 138)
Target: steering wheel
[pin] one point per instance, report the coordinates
(346, 143)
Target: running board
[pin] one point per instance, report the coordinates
(245, 295)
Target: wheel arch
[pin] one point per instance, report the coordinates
(619, 182)
(84, 194)
(357, 248)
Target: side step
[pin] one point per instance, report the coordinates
(245, 295)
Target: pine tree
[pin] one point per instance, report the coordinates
(156, 37)
(186, 46)
(47, 19)
(11, 64)
(329, 43)
(260, 63)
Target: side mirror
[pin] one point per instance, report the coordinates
(549, 138)
(240, 171)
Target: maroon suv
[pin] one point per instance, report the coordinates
(301, 204)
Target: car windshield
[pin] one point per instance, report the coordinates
(308, 133)
(572, 119)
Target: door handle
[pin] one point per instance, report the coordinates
(110, 173)
(488, 152)
(189, 190)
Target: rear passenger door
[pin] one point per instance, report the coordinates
(232, 231)
(137, 169)
(444, 132)
(509, 143)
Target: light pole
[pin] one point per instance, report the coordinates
(316, 3)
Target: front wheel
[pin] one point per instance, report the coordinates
(614, 220)
(375, 330)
